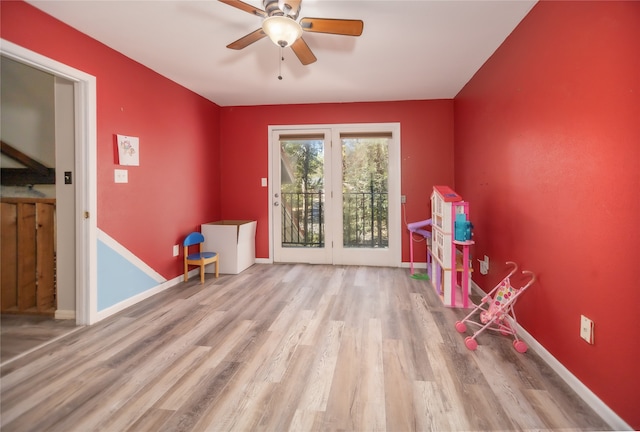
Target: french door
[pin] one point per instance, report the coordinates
(335, 194)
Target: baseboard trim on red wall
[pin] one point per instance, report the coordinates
(590, 398)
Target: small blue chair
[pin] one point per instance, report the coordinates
(200, 258)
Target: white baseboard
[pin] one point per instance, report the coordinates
(416, 265)
(582, 390)
(607, 414)
(264, 261)
(142, 296)
(65, 314)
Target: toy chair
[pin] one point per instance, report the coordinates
(200, 258)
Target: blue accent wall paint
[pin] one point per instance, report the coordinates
(118, 279)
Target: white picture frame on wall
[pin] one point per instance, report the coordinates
(128, 150)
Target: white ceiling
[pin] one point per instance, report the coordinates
(409, 50)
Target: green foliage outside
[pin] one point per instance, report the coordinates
(364, 188)
(365, 192)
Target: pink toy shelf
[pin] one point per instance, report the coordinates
(450, 268)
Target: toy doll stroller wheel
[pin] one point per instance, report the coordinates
(461, 327)
(520, 346)
(471, 343)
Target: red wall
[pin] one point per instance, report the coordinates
(426, 153)
(176, 187)
(547, 151)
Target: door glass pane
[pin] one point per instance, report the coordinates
(365, 204)
(302, 191)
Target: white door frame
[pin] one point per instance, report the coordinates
(395, 228)
(85, 173)
(319, 255)
(392, 255)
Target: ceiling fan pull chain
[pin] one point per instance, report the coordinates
(280, 60)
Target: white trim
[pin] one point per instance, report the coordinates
(317, 255)
(419, 265)
(65, 314)
(607, 414)
(143, 295)
(589, 397)
(392, 255)
(130, 257)
(264, 261)
(85, 165)
(270, 178)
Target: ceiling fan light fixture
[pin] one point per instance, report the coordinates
(281, 30)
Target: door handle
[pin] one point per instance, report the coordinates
(276, 195)
(276, 203)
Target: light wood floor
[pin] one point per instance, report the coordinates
(287, 347)
(19, 334)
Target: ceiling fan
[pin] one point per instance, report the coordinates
(279, 23)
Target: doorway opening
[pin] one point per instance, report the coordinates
(83, 236)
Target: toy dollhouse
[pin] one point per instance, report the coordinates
(450, 269)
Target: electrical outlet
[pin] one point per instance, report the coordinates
(176, 250)
(586, 329)
(403, 199)
(484, 265)
(121, 176)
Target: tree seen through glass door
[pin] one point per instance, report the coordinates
(365, 194)
(302, 188)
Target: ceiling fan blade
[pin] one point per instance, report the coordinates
(303, 52)
(245, 7)
(247, 40)
(333, 26)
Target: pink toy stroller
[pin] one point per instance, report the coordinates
(496, 312)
